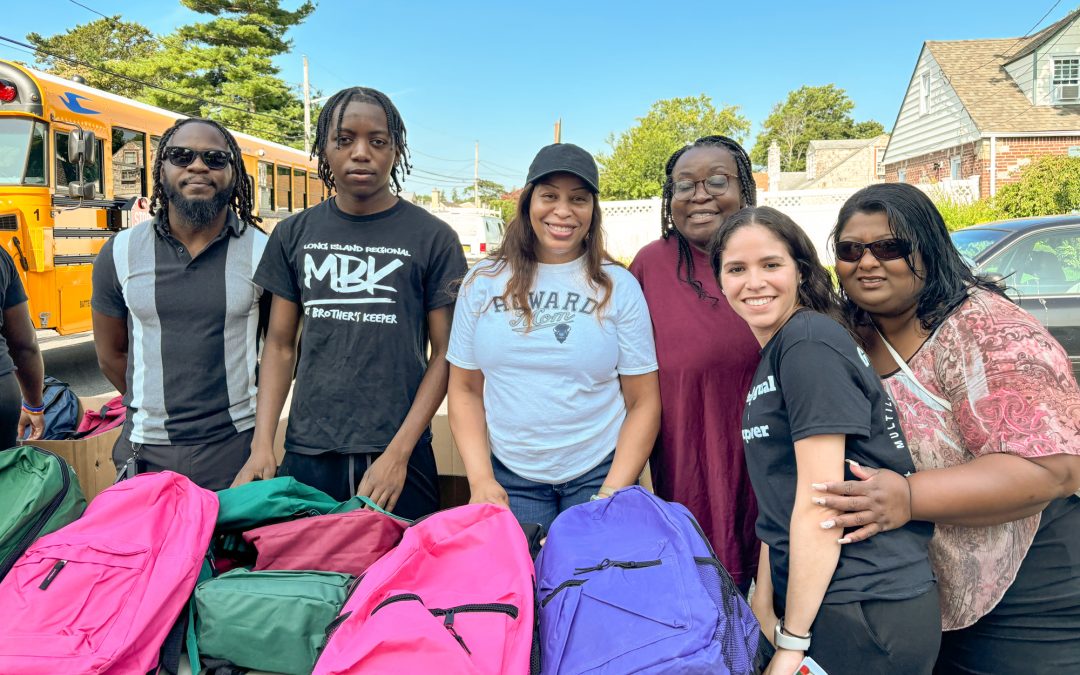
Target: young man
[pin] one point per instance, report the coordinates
(176, 313)
(369, 273)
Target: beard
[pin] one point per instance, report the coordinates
(198, 213)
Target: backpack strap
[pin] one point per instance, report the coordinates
(911, 376)
(205, 572)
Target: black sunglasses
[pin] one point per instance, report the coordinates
(882, 249)
(181, 157)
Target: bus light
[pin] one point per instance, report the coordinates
(8, 91)
(483, 247)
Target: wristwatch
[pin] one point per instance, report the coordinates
(785, 640)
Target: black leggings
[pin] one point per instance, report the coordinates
(10, 407)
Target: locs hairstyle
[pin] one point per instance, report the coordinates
(816, 290)
(747, 191)
(329, 125)
(240, 200)
(914, 218)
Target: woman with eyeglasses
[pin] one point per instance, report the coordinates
(705, 352)
(991, 411)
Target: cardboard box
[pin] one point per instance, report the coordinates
(91, 458)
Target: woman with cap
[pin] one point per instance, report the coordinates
(553, 390)
(706, 353)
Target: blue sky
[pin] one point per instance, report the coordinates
(501, 73)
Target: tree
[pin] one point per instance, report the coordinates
(634, 169)
(490, 191)
(107, 43)
(228, 60)
(809, 114)
(1048, 186)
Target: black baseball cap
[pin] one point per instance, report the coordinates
(565, 158)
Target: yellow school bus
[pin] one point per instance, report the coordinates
(53, 220)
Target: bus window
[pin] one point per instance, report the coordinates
(284, 188)
(22, 152)
(66, 172)
(266, 187)
(128, 157)
(300, 189)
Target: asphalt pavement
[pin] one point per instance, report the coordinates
(72, 359)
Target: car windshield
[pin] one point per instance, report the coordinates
(22, 151)
(973, 241)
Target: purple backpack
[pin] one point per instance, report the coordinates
(630, 584)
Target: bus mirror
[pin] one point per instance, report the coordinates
(81, 190)
(82, 145)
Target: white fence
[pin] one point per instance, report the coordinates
(629, 225)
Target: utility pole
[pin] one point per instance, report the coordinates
(476, 177)
(307, 110)
(558, 130)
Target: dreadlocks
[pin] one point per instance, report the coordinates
(747, 190)
(335, 107)
(241, 199)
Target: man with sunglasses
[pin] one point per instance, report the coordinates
(176, 313)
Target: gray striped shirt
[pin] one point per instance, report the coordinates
(192, 330)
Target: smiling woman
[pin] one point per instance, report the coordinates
(815, 404)
(553, 392)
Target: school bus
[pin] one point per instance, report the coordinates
(75, 168)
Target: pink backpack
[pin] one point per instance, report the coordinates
(101, 594)
(109, 416)
(455, 596)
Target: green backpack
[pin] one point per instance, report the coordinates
(270, 620)
(39, 494)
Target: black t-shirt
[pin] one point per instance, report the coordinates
(11, 294)
(814, 380)
(366, 284)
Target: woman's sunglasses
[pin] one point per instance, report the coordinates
(882, 249)
(181, 157)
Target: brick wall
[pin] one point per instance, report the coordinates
(1013, 154)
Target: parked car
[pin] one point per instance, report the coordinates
(1038, 260)
(480, 232)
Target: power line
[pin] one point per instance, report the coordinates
(198, 99)
(441, 159)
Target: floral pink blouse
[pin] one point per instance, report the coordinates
(1011, 388)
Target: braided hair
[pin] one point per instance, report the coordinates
(335, 108)
(241, 200)
(747, 190)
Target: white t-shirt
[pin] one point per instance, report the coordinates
(552, 397)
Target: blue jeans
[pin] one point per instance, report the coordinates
(533, 502)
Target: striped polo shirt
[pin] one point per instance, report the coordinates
(192, 327)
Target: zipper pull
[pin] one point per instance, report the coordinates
(448, 622)
(595, 568)
(52, 574)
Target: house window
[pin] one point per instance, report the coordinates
(901, 175)
(954, 168)
(924, 94)
(1066, 83)
(129, 178)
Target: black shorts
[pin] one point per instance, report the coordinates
(338, 475)
(1035, 629)
(209, 465)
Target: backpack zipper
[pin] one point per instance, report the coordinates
(42, 518)
(449, 613)
(559, 589)
(725, 577)
(624, 564)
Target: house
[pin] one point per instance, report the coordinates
(831, 164)
(978, 111)
(845, 163)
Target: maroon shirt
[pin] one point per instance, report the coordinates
(707, 356)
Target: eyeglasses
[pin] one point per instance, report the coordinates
(882, 249)
(714, 185)
(181, 157)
